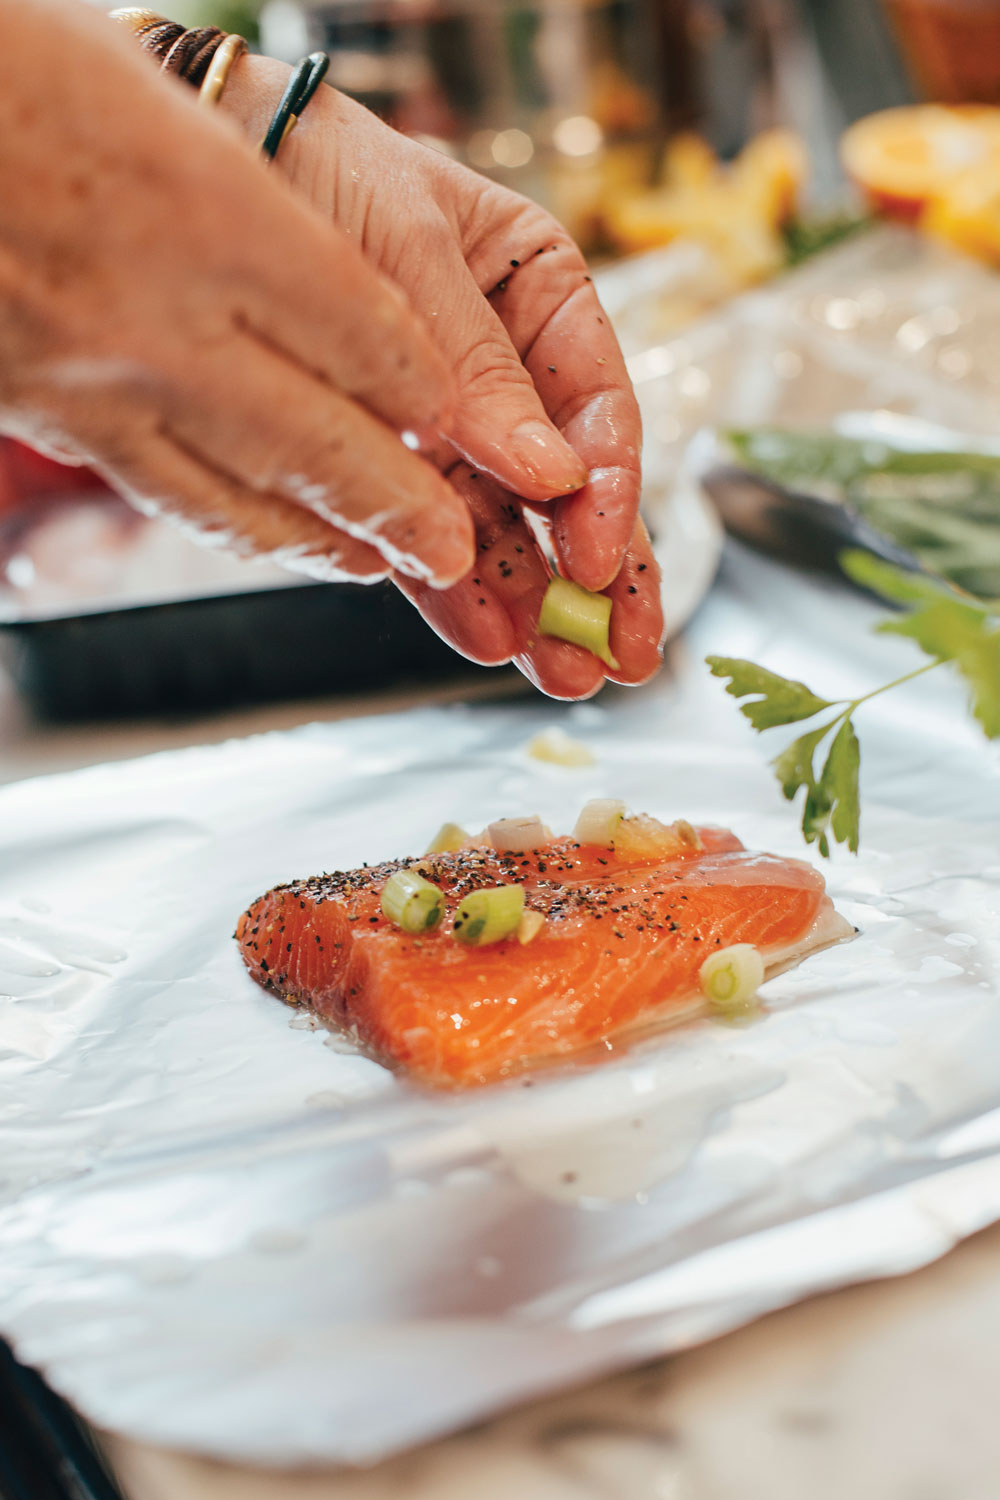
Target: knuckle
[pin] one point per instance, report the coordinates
(301, 462)
(487, 364)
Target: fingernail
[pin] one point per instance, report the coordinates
(548, 458)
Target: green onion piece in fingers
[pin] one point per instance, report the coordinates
(488, 916)
(572, 614)
(731, 978)
(411, 902)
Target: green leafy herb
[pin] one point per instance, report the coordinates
(807, 237)
(943, 507)
(840, 777)
(779, 700)
(891, 582)
(947, 626)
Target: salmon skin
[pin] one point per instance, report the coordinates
(621, 946)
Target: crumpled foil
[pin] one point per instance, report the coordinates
(222, 1229)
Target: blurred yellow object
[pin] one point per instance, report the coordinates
(689, 161)
(770, 173)
(902, 159)
(735, 212)
(578, 187)
(967, 214)
(936, 166)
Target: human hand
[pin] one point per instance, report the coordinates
(545, 419)
(179, 319)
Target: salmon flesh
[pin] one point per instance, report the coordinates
(620, 949)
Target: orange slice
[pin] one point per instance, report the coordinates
(903, 158)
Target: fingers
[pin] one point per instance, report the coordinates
(591, 529)
(636, 627)
(548, 306)
(168, 271)
(492, 615)
(500, 424)
(636, 613)
(469, 616)
(510, 576)
(284, 432)
(307, 289)
(161, 478)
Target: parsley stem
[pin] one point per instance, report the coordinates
(854, 703)
(896, 682)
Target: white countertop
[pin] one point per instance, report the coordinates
(882, 1392)
(879, 1392)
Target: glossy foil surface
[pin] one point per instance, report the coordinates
(222, 1229)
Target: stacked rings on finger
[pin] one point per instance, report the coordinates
(204, 57)
(186, 54)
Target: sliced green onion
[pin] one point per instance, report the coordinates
(731, 978)
(448, 838)
(573, 614)
(599, 821)
(487, 916)
(412, 902)
(559, 749)
(530, 926)
(517, 835)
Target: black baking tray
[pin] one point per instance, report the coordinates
(45, 1451)
(195, 655)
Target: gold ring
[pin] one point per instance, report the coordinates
(219, 70)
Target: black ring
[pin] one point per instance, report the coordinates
(306, 78)
(320, 63)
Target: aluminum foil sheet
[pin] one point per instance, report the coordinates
(222, 1229)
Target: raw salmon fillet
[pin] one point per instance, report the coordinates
(621, 948)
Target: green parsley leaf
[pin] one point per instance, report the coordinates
(979, 664)
(831, 800)
(947, 625)
(778, 700)
(794, 766)
(951, 630)
(840, 784)
(815, 819)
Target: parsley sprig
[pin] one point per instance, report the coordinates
(950, 627)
